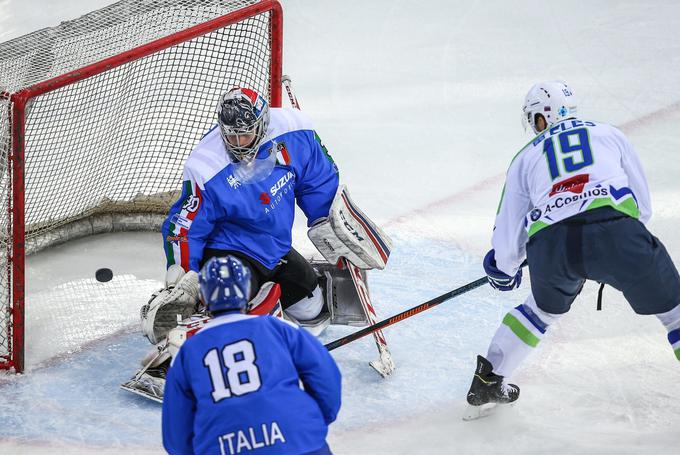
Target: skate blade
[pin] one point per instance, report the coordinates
(479, 412)
(138, 388)
(385, 365)
(382, 369)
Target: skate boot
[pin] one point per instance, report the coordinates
(487, 390)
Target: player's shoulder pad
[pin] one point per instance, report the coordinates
(286, 120)
(207, 159)
(612, 128)
(607, 129)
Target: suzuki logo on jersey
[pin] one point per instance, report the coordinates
(278, 192)
(573, 184)
(281, 183)
(265, 199)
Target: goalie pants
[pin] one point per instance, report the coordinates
(293, 273)
(602, 245)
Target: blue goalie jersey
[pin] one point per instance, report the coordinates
(218, 211)
(235, 388)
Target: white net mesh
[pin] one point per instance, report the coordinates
(116, 142)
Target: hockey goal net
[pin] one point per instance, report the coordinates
(99, 113)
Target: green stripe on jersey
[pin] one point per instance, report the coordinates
(324, 149)
(537, 226)
(188, 190)
(629, 206)
(169, 256)
(677, 353)
(522, 332)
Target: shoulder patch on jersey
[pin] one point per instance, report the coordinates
(282, 155)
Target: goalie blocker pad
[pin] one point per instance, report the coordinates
(347, 232)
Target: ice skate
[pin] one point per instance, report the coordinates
(487, 391)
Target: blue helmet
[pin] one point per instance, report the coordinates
(225, 284)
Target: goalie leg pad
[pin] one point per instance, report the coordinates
(349, 233)
(156, 355)
(266, 301)
(340, 294)
(307, 308)
(309, 313)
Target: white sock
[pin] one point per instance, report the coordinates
(307, 308)
(520, 332)
(671, 319)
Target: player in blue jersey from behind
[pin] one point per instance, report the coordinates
(234, 387)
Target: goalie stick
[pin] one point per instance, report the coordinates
(384, 365)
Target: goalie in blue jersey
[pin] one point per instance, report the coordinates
(241, 185)
(234, 387)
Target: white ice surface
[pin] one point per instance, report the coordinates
(419, 104)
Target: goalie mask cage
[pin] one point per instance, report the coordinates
(99, 114)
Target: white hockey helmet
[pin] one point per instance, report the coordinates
(554, 100)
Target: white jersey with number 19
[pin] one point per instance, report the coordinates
(571, 167)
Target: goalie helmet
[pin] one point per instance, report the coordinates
(554, 100)
(242, 115)
(224, 284)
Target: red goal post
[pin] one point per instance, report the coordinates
(98, 115)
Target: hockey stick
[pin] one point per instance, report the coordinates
(408, 313)
(288, 84)
(385, 365)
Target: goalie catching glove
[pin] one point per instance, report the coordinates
(179, 297)
(347, 232)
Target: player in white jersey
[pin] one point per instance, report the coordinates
(574, 206)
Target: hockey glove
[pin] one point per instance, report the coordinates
(498, 279)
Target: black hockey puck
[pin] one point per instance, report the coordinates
(103, 275)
